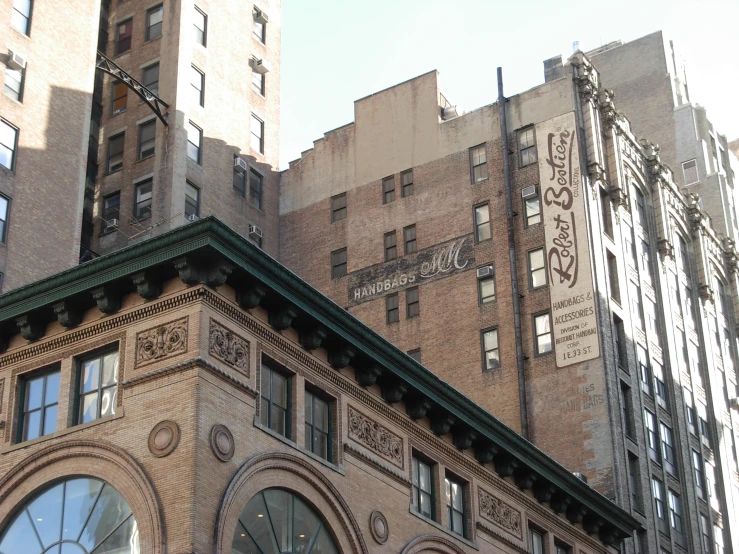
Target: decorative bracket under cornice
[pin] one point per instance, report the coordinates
(68, 313)
(31, 327)
(148, 285)
(108, 299)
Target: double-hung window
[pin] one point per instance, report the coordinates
(690, 172)
(258, 81)
(39, 404)
(700, 480)
(338, 207)
(676, 512)
(255, 189)
(391, 308)
(388, 190)
(257, 134)
(194, 139)
(531, 205)
(660, 388)
(150, 78)
(115, 152)
(640, 214)
(338, 263)
(239, 180)
(111, 212)
(406, 183)
(526, 147)
(537, 268)
(318, 425)
(259, 27)
(275, 401)
(20, 17)
(412, 304)
(455, 505)
(98, 386)
(409, 239)
(658, 492)
(543, 330)
(124, 32)
(154, 22)
(668, 448)
(478, 163)
(142, 206)
(147, 139)
(200, 23)
(391, 249)
(423, 488)
(13, 84)
(536, 541)
(490, 349)
(197, 82)
(650, 422)
(483, 230)
(486, 284)
(120, 97)
(192, 201)
(8, 144)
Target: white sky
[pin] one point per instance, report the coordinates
(337, 51)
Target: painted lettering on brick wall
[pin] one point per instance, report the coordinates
(429, 264)
(574, 325)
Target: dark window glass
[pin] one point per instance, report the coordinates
(20, 17)
(239, 181)
(619, 334)
(483, 230)
(660, 388)
(668, 448)
(120, 97)
(255, 189)
(634, 485)
(455, 505)
(527, 147)
(406, 183)
(613, 281)
(197, 82)
(317, 426)
(486, 288)
(409, 238)
(658, 492)
(676, 513)
(13, 84)
(154, 23)
(644, 377)
(413, 307)
(640, 214)
(142, 207)
(111, 212)
(201, 27)
(423, 488)
(147, 139)
(192, 202)
(490, 349)
(150, 78)
(700, 480)
(8, 144)
(194, 138)
(257, 134)
(543, 329)
(115, 153)
(124, 31)
(39, 405)
(275, 401)
(478, 161)
(626, 410)
(391, 307)
(338, 207)
(388, 190)
(537, 269)
(391, 250)
(338, 263)
(98, 386)
(605, 207)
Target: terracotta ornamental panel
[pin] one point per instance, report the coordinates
(228, 347)
(429, 264)
(498, 512)
(161, 342)
(375, 437)
(574, 325)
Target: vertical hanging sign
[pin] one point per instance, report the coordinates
(574, 323)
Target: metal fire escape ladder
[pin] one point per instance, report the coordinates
(156, 104)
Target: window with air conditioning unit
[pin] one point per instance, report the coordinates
(240, 164)
(486, 284)
(255, 235)
(259, 65)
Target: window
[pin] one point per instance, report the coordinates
(391, 308)
(627, 410)
(192, 201)
(406, 183)
(13, 85)
(536, 541)
(690, 414)
(650, 422)
(259, 27)
(275, 405)
(255, 189)
(634, 484)
(527, 147)
(338, 207)
(4, 205)
(415, 354)
(239, 180)
(194, 138)
(142, 207)
(543, 330)
(20, 17)
(676, 512)
(412, 306)
(718, 540)
(636, 306)
(120, 97)
(658, 491)
(98, 386)
(197, 82)
(388, 190)
(201, 27)
(338, 263)
(490, 349)
(111, 212)
(605, 208)
(154, 23)
(640, 213)
(562, 548)
(650, 313)
(478, 161)
(483, 230)
(645, 266)
(115, 153)
(705, 535)
(391, 250)
(619, 334)
(705, 431)
(700, 480)
(683, 253)
(409, 239)
(629, 248)
(660, 389)
(147, 139)
(40, 400)
(690, 172)
(124, 31)
(531, 205)
(486, 285)
(318, 426)
(150, 78)
(257, 81)
(613, 281)
(537, 270)
(455, 505)
(257, 134)
(423, 488)
(668, 448)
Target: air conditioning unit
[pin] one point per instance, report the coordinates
(192, 217)
(240, 164)
(734, 403)
(529, 192)
(449, 112)
(15, 61)
(580, 476)
(111, 224)
(260, 16)
(485, 271)
(259, 66)
(255, 232)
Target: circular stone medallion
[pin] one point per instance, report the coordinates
(222, 442)
(379, 527)
(164, 438)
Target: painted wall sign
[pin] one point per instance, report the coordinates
(429, 264)
(574, 325)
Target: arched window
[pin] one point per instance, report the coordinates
(275, 521)
(76, 516)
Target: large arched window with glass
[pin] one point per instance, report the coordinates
(75, 516)
(276, 521)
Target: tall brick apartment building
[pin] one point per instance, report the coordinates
(614, 348)
(188, 394)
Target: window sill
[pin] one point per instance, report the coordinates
(121, 54)
(337, 468)
(537, 355)
(540, 287)
(152, 40)
(490, 302)
(61, 433)
(441, 528)
(486, 179)
(114, 172)
(21, 33)
(119, 112)
(146, 158)
(141, 219)
(17, 101)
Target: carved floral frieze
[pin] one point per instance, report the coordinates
(498, 512)
(161, 342)
(228, 347)
(375, 437)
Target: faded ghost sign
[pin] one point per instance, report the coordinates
(574, 325)
(429, 264)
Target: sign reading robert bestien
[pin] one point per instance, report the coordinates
(429, 264)
(574, 325)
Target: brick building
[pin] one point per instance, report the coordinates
(189, 394)
(404, 213)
